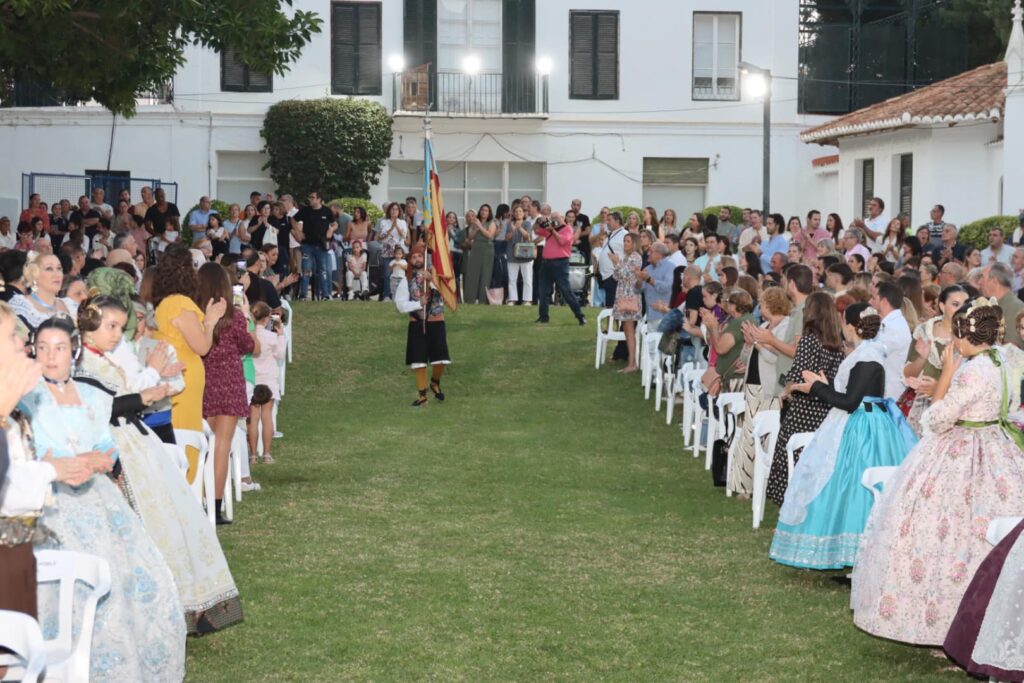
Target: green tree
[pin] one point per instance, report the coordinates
(982, 18)
(109, 50)
(337, 147)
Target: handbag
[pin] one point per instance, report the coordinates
(669, 344)
(906, 401)
(628, 304)
(524, 251)
(720, 451)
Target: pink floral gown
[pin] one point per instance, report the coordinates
(926, 537)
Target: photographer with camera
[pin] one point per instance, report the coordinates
(554, 268)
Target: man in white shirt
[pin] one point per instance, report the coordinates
(756, 231)
(997, 249)
(612, 245)
(7, 237)
(99, 204)
(675, 256)
(710, 259)
(894, 335)
(1017, 263)
(875, 223)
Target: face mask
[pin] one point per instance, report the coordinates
(171, 235)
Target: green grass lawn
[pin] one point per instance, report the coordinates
(542, 524)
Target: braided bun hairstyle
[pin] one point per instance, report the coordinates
(90, 313)
(980, 322)
(864, 319)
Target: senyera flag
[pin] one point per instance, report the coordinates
(436, 230)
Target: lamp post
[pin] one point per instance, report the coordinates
(471, 66)
(544, 66)
(396, 63)
(760, 83)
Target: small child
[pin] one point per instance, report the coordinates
(270, 333)
(356, 277)
(398, 266)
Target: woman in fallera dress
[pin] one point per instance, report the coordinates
(926, 536)
(826, 507)
(156, 488)
(139, 634)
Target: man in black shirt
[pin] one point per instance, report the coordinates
(314, 226)
(161, 210)
(86, 217)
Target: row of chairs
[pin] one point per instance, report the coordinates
(682, 385)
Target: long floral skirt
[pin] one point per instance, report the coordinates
(742, 474)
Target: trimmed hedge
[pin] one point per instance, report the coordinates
(625, 209)
(975, 234)
(348, 204)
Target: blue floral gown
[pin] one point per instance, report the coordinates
(140, 625)
(826, 507)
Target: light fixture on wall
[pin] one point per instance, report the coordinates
(544, 66)
(471, 65)
(396, 63)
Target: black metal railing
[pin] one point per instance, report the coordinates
(460, 94)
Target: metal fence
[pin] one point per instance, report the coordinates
(53, 187)
(854, 54)
(461, 94)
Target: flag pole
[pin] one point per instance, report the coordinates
(426, 142)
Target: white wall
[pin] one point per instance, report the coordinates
(955, 167)
(654, 116)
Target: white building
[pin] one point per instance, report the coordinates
(643, 105)
(957, 142)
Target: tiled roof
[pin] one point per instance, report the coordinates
(971, 96)
(829, 160)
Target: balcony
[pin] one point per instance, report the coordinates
(420, 90)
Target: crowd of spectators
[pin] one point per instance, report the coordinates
(114, 338)
(808, 320)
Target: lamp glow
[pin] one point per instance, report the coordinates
(396, 63)
(755, 84)
(544, 66)
(471, 65)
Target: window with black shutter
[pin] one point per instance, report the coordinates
(237, 77)
(867, 184)
(906, 183)
(356, 48)
(593, 55)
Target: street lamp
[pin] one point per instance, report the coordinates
(396, 63)
(544, 67)
(759, 84)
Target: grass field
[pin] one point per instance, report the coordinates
(543, 524)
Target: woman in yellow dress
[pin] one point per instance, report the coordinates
(184, 325)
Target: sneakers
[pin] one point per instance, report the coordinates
(250, 486)
(278, 435)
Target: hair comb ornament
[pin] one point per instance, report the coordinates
(869, 311)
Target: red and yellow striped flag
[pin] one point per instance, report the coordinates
(436, 230)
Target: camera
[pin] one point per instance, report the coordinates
(543, 223)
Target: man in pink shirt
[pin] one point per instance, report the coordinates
(35, 210)
(809, 236)
(554, 267)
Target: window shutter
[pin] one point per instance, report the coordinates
(608, 55)
(420, 28)
(906, 183)
(343, 49)
(675, 171)
(232, 72)
(582, 54)
(867, 184)
(519, 48)
(369, 76)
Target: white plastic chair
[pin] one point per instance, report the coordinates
(874, 477)
(728, 403)
(606, 332)
(796, 442)
(691, 407)
(21, 634)
(735, 404)
(282, 366)
(767, 424)
(68, 659)
(288, 326)
(199, 441)
(1000, 527)
(233, 483)
(650, 359)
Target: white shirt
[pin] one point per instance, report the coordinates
(878, 224)
(749, 234)
(677, 259)
(1004, 256)
(612, 245)
(8, 241)
(895, 338)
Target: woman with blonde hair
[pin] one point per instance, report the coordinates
(44, 277)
